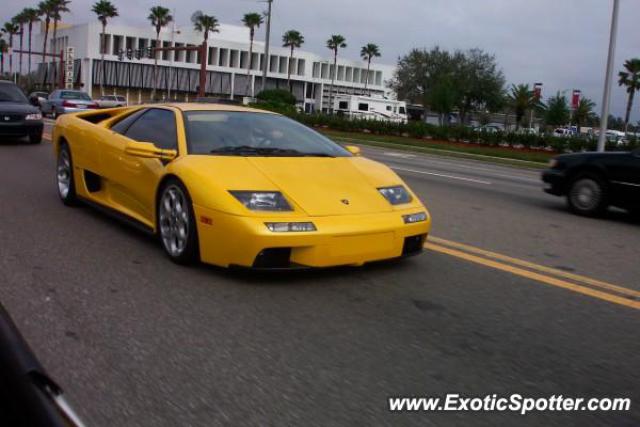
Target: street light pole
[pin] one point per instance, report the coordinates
(265, 63)
(608, 80)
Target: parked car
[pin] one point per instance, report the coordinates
(112, 101)
(63, 101)
(18, 117)
(593, 181)
(488, 129)
(563, 133)
(39, 96)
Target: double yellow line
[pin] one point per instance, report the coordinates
(549, 276)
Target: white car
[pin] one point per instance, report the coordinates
(112, 101)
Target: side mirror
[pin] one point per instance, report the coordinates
(353, 149)
(147, 150)
(33, 100)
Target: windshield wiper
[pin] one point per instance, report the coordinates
(265, 151)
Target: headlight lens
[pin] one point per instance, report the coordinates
(34, 116)
(396, 195)
(290, 227)
(262, 200)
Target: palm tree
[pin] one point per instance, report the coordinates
(251, 21)
(557, 111)
(46, 9)
(205, 24)
(59, 7)
(10, 29)
(31, 15)
(20, 19)
(367, 53)
(631, 79)
(521, 99)
(159, 17)
(104, 10)
(3, 48)
(335, 43)
(583, 112)
(292, 39)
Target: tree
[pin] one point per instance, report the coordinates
(443, 98)
(367, 53)
(104, 11)
(251, 21)
(521, 99)
(631, 79)
(59, 7)
(583, 112)
(159, 17)
(10, 29)
(481, 82)
(20, 19)
(31, 15)
(557, 111)
(46, 10)
(292, 39)
(335, 43)
(3, 49)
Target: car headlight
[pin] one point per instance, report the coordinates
(262, 200)
(33, 116)
(396, 195)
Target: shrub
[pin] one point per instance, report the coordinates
(277, 96)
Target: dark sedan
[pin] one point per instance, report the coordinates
(18, 118)
(593, 181)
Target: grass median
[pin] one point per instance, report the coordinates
(512, 156)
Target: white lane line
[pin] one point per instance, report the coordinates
(478, 181)
(401, 155)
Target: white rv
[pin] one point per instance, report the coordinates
(370, 108)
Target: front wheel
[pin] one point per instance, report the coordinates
(64, 177)
(176, 223)
(587, 196)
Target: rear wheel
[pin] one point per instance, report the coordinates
(587, 196)
(64, 176)
(176, 223)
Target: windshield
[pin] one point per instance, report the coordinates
(234, 133)
(11, 93)
(75, 95)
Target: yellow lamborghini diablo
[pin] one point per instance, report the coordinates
(234, 186)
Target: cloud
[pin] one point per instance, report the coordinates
(562, 43)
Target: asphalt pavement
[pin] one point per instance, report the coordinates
(514, 295)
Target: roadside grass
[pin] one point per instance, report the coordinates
(504, 155)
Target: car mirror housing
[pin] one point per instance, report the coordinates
(353, 149)
(148, 150)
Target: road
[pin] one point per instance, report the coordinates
(512, 295)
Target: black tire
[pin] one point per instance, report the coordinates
(587, 196)
(178, 238)
(65, 180)
(35, 138)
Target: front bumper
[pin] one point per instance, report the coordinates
(229, 240)
(554, 181)
(22, 128)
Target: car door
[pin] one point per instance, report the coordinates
(131, 180)
(624, 172)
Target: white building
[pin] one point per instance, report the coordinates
(227, 66)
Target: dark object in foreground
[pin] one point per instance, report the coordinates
(28, 397)
(594, 181)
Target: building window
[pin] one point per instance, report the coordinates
(340, 72)
(223, 60)
(363, 107)
(301, 64)
(324, 73)
(166, 53)
(234, 59)
(343, 105)
(273, 63)
(117, 44)
(315, 73)
(348, 74)
(379, 78)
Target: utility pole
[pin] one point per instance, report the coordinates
(608, 80)
(265, 63)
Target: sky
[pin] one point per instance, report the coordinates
(561, 43)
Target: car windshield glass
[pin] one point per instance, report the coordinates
(11, 93)
(234, 133)
(75, 95)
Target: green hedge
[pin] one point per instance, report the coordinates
(460, 134)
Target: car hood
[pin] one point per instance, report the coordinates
(17, 108)
(318, 186)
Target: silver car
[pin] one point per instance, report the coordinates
(111, 101)
(63, 101)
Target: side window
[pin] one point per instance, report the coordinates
(122, 126)
(157, 126)
(363, 107)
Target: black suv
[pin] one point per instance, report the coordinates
(594, 181)
(18, 117)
